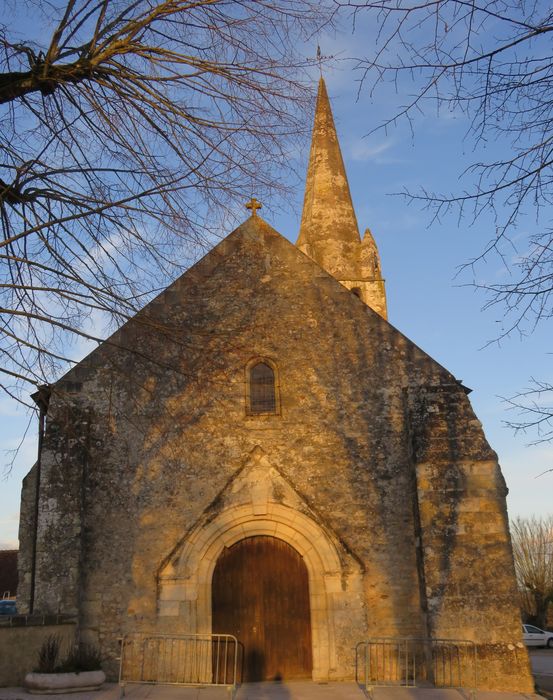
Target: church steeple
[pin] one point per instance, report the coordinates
(329, 232)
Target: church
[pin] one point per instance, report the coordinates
(259, 452)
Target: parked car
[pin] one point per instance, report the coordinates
(8, 607)
(534, 637)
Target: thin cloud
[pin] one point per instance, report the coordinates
(361, 150)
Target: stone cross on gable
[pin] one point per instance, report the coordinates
(253, 205)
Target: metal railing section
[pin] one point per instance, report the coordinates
(416, 662)
(187, 660)
(22, 620)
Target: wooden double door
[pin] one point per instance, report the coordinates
(260, 594)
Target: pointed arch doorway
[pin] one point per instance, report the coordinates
(260, 593)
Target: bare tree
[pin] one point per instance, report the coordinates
(533, 553)
(126, 137)
(492, 61)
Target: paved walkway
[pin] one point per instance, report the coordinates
(542, 667)
(298, 690)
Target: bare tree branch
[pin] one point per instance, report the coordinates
(127, 138)
(536, 410)
(492, 61)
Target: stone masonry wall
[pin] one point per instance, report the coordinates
(170, 431)
(26, 535)
(20, 646)
(467, 558)
(59, 529)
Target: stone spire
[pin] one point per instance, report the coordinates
(329, 232)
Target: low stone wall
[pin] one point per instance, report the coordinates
(20, 642)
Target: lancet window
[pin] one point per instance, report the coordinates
(262, 390)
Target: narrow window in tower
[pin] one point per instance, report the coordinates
(262, 389)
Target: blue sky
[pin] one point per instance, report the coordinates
(427, 299)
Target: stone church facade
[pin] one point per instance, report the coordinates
(264, 397)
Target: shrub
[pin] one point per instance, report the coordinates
(48, 654)
(84, 657)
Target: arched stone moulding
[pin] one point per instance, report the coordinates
(185, 585)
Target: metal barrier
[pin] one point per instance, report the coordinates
(190, 659)
(21, 620)
(416, 662)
